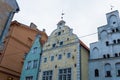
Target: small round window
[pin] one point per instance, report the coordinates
(114, 22)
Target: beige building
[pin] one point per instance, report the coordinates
(64, 56)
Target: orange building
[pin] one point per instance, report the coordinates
(17, 43)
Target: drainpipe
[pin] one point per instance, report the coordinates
(80, 63)
(40, 56)
(6, 27)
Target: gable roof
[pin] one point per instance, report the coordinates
(83, 45)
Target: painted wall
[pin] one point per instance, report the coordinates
(105, 50)
(7, 10)
(84, 63)
(53, 47)
(33, 54)
(17, 43)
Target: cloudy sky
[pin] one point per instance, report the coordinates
(83, 16)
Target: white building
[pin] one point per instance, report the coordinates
(104, 63)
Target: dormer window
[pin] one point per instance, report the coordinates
(60, 24)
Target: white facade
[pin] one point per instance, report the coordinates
(104, 63)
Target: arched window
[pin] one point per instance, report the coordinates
(113, 30)
(116, 55)
(107, 70)
(107, 43)
(108, 56)
(96, 73)
(114, 41)
(118, 40)
(117, 29)
(117, 66)
(104, 56)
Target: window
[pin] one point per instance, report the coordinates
(118, 73)
(96, 73)
(28, 65)
(55, 66)
(117, 30)
(67, 39)
(118, 40)
(35, 50)
(45, 59)
(108, 56)
(54, 45)
(114, 22)
(113, 30)
(68, 55)
(59, 57)
(9, 78)
(59, 33)
(35, 63)
(29, 78)
(107, 43)
(52, 58)
(61, 43)
(108, 70)
(74, 65)
(116, 55)
(47, 75)
(117, 66)
(64, 74)
(114, 41)
(104, 56)
(108, 74)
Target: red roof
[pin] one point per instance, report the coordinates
(82, 44)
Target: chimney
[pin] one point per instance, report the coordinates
(43, 30)
(33, 26)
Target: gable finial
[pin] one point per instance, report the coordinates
(62, 15)
(111, 7)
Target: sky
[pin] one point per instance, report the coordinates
(83, 16)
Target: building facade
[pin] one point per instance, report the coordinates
(32, 60)
(64, 56)
(104, 63)
(18, 42)
(7, 10)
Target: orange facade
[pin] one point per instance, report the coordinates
(18, 42)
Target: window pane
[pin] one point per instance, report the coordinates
(52, 58)
(68, 55)
(69, 70)
(65, 74)
(47, 75)
(59, 57)
(45, 59)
